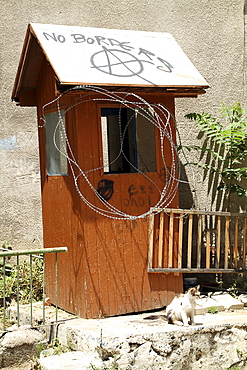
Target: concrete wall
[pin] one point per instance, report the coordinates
(211, 33)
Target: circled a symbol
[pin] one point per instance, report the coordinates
(117, 63)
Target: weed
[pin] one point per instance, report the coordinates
(233, 290)
(242, 359)
(213, 309)
(41, 346)
(241, 354)
(21, 275)
(56, 347)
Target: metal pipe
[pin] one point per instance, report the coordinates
(18, 289)
(36, 251)
(4, 294)
(43, 287)
(31, 290)
(56, 287)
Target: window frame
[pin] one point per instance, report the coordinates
(155, 162)
(65, 164)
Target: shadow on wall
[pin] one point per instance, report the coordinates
(226, 186)
(186, 200)
(219, 198)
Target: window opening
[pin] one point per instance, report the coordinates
(128, 140)
(56, 154)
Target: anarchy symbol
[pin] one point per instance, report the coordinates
(117, 63)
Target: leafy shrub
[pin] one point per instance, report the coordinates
(224, 151)
(24, 270)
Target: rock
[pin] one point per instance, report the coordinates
(76, 360)
(204, 303)
(221, 300)
(47, 352)
(17, 345)
(243, 298)
(226, 300)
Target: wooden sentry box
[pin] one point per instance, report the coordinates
(86, 70)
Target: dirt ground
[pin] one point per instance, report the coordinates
(27, 365)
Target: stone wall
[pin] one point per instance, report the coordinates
(216, 347)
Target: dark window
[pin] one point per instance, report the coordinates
(128, 140)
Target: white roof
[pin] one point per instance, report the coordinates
(97, 56)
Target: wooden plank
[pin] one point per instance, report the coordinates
(180, 240)
(190, 229)
(227, 226)
(161, 240)
(194, 270)
(235, 251)
(166, 240)
(150, 240)
(199, 241)
(209, 213)
(170, 247)
(208, 245)
(217, 264)
(244, 242)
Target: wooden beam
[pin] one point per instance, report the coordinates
(227, 227)
(244, 242)
(194, 270)
(235, 251)
(218, 242)
(161, 240)
(180, 240)
(208, 245)
(190, 229)
(191, 212)
(199, 241)
(150, 240)
(170, 247)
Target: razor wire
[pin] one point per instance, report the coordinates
(156, 114)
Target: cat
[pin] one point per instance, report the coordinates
(181, 310)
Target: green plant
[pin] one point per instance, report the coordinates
(220, 284)
(41, 346)
(58, 347)
(55, 345)
(244, 284)
(242, 360)
(213, 309)
(224, 151)
(21, 275)
(233, 290)
(113, 366)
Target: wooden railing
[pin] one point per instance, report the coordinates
(196, 241)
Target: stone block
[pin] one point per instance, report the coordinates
(76, 360)
(226, 300)
(204, 303)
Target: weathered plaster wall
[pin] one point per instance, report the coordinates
(210, 32)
